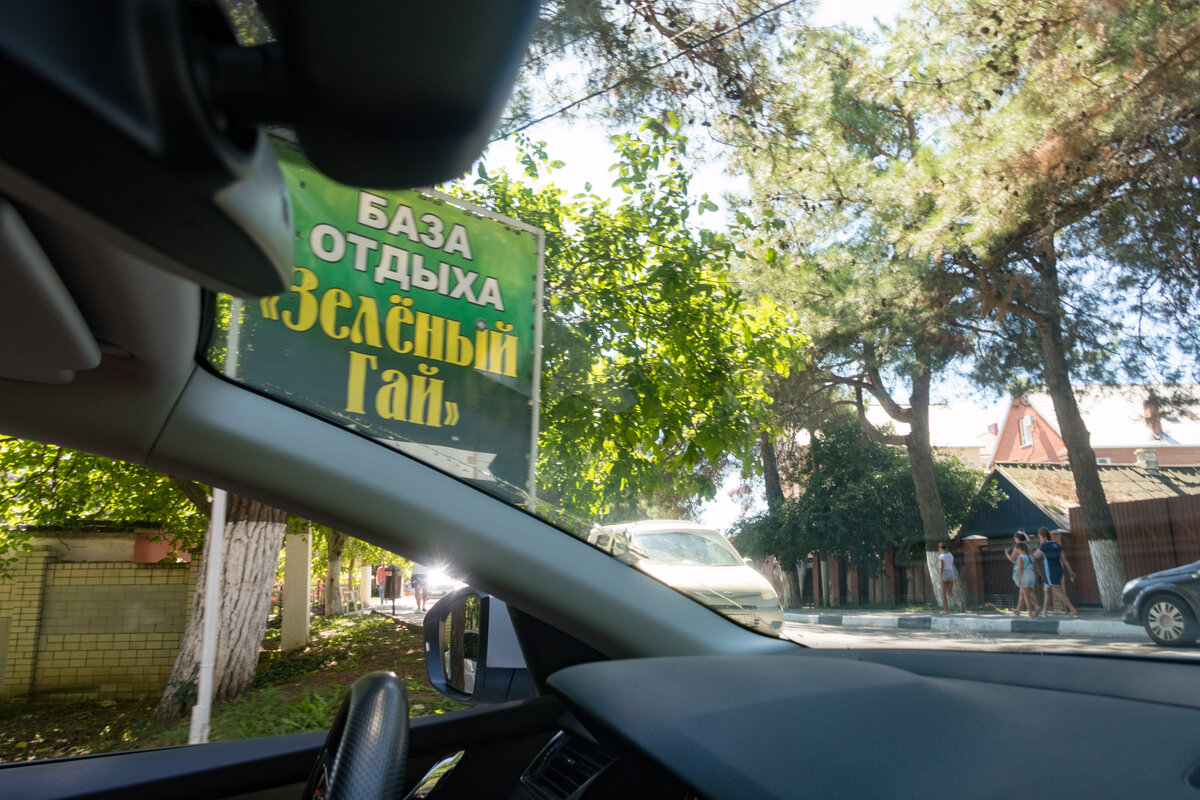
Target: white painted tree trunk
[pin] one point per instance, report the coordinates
(336, 545)
(1110, 572)
(253, 536)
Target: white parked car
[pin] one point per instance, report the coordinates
(699, 562)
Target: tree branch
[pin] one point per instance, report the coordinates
(877, 389)
(874, 433)
(194, 493)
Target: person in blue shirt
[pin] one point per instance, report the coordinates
(1054, 561)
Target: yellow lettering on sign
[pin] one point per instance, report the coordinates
(306, 304)
(391, 401)
(331, 301)
(356, 385)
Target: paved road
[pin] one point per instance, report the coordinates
(831, 636)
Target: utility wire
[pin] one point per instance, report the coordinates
(598, 92)
(543, 57)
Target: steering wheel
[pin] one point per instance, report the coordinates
(365, 750)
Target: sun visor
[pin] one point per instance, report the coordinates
(43, 337)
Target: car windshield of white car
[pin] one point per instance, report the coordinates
(683, 548)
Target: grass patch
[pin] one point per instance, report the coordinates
(293, 692)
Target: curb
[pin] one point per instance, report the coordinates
(1107, 628)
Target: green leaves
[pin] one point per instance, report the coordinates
(855, 499)
(655, 364)
(44, 485)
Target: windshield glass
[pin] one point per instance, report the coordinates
(873, 363)
(689, 549)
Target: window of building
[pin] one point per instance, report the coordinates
(1026, 430)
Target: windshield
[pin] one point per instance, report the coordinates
(877, 372)
(686, 549)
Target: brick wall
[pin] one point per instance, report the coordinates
(90, 629)
(20, 614)
(110, 629)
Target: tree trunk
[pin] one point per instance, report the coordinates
(458, 630)
(1093, 505)
(770, 464)
(929, 500)
(336, 544)
(792, 594)
(253, 537)
(792, 591)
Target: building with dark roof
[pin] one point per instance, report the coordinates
(1043, 494)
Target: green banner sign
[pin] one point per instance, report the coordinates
(413, 318)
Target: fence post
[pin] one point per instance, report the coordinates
(889, 577)
(835, 582)
(973, 568)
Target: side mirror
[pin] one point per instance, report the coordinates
(471, 650)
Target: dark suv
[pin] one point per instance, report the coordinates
(1166, 603)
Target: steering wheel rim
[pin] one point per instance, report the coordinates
(366, 748)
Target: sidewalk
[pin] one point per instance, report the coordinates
(1090, 623)
(404, 611)
(1100, 624)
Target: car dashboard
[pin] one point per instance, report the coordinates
(869, 723)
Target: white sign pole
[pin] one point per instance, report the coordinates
(213, 558)
(198, 732)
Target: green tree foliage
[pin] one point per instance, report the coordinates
(337, 558)
(1066, 190)
(996, 159)
(1060, 127)
(854, 500)
(823, 160)
(43, 486)
(655, 366)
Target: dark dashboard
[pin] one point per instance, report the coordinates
(879, 723)
(900, 723)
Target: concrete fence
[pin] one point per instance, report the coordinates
(97, 628)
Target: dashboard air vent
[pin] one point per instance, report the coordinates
(564, 767)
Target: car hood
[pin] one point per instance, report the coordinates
(1186, 569)
(738, 583)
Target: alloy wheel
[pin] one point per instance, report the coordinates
(1166, 620)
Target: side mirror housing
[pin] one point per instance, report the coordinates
(471, 650)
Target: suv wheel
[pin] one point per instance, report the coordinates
(1168, 621)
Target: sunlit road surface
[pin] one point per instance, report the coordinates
(827, 636)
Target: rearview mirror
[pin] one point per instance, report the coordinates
(397, 94)
(471, 650)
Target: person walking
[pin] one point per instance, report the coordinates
(1026, 577)
(380, 580)
(1022, 602)
(1054, 562)
(419, 574)
(948, 574)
